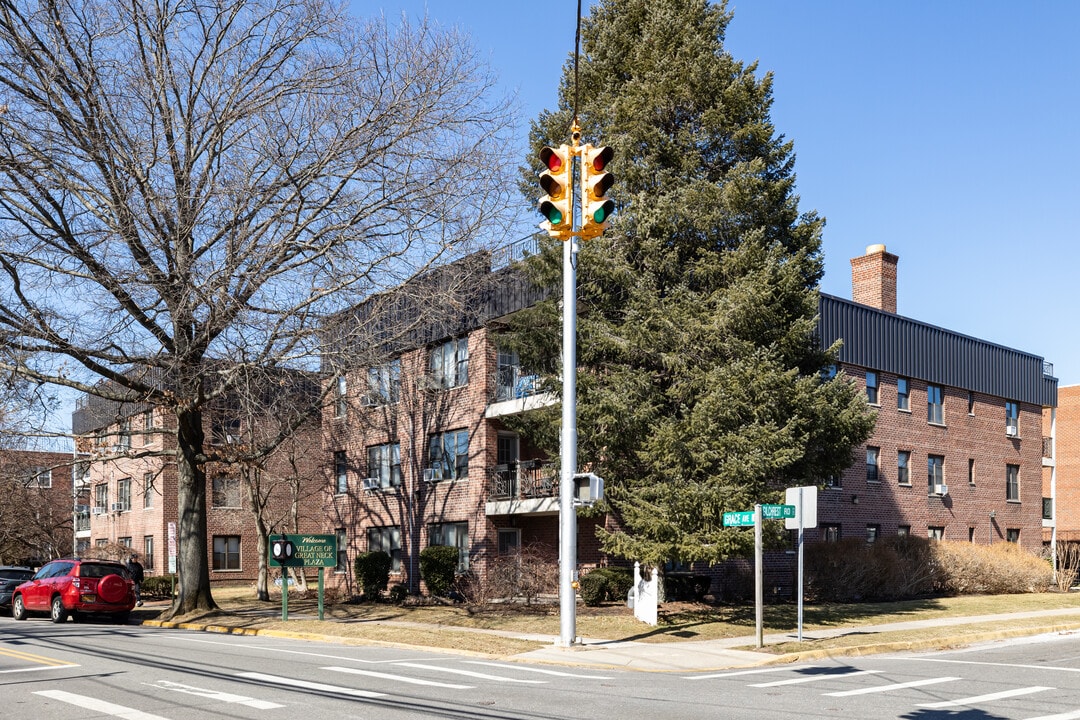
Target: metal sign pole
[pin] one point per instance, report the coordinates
(759, 579)
(799, 510)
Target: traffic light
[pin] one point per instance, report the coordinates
(282, 549)
(595, 182)
(556, 205)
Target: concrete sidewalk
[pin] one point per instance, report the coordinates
(737, 652)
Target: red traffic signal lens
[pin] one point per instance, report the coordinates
(551, 159)
(599, 160)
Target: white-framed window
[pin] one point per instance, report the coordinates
(341, 472)
(872, 454)
(226, 552)
(38, 476)
(935, 471)
(872, 533)
(871, 388)
(448, 454)
(148, 490)
(342, 565)
(387, 539)
(903, 394)
(830, 532)
(341, 397)
(123, 493)
(903, 469)
(147, 426)
(936, 532)
(455, 535)
(225, 492)
(384, 462)
(148, 552)
(1012, 535)
(903, 530)
(450, 363)
(384, 384)
(1012, 418)
(935, 407)
(971, 402)
(101, 496)
(1012, 483)
(123, 439)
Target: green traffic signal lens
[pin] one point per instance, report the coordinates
(554, 216)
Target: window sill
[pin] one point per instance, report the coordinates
(873, 404)
(934, 424)
(906, 411)
(228, 570)
(907, 484)
(1013, 502)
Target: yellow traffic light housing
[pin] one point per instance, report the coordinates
(597, 208)
(557, 204)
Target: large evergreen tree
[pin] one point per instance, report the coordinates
(702, 386)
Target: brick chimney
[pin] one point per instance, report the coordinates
(873, 279)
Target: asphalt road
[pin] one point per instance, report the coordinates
(98, 670)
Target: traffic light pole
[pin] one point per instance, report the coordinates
(569, 439)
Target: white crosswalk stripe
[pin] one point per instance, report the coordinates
(398, 678)
(305, 685)
(467, 673)
(976, 699)
(755, 671)
(815, 678)
(892, 686)
(98, 706)
(223, 697)
(1074, 715)
(527, 668)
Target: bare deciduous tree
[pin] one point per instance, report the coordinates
(182, 183)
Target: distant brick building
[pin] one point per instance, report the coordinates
(131, 487)
(36, 504)
(957, 451)
(1061, 479)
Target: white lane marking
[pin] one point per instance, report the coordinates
(815, 678)
(468, 673)
(98, 706)
(991, 664)
(291, 682)
(974, 700)
(215, 695)
(526, 668)
(892, 686)
(758, 671)
(261, 648)
(1060, 716)
(399, 678)
(35, 669)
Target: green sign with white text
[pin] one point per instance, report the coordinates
(310, 551)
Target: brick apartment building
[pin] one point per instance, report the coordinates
(958, 449)
(130, 486)
(1061, 479)
(36, 520)
(421, 454)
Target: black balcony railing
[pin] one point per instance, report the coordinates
(511, 384)
(523, 479)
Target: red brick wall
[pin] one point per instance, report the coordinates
(1067, 458)
(873, 279)
(979, 435)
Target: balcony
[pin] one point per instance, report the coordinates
(516, 393)
(526, 487)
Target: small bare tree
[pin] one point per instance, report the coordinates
(185, 183)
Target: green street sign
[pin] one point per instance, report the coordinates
(777, 512)
(311, 551)
(739, 519)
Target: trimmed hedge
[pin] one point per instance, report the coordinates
(158, 585)
(438, 565)
(606, 583)
(373, 572)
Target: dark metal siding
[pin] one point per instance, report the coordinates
(882, 341)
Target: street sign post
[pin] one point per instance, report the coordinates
(755, 517)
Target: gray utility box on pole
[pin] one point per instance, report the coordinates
(588, 489)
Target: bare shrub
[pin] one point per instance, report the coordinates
(524, 575)
(1068, 564)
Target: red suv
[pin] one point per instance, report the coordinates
(76, 587)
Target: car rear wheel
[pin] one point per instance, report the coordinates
(58, 612)
(18, 610)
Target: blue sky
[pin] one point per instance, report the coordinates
(949, 131)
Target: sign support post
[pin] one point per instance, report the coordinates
(759, 579)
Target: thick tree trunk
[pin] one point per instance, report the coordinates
(193, 586)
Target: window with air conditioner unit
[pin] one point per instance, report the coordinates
(117, 507)
(1012, 418)
(432, 474)
(372, 483)
(98, 510)
(941, 490)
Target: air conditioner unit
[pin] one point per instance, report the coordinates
(372, 483)
(231, 439)
(98, 510)
(1010, 430)
(432, 474)
(80, 509)
(117, 507)
(941, 490)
